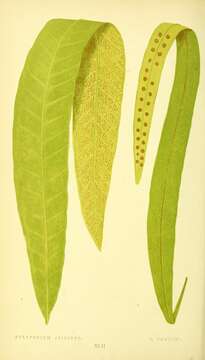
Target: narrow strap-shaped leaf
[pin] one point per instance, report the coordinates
(168, 167)
(64, 63)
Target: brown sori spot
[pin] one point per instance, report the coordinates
(143, 88)
(138, 138)
(138, 130)
(167, 36)
(137, 161)
(146, 70)
(146, 113)
(164, 45)
(145, 124)
(152, 49)
(143, 142)
(150, 94)
(156, 63)
(156, 41)
(148, 103)
(142, 150)
(160, 34)
(137, 147)
(141, 99)
(144, 134)
(159, 53)
(149, 60)
(141, 157)
(145, 78)
(141, 164)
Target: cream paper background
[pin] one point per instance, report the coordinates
(106, 308)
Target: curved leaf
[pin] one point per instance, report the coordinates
(43, 107)
(166, 178)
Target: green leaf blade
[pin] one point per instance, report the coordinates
(41, 156)
(42, 114)
(166, 178)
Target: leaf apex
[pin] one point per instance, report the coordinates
(98, 242)
(175, 313)
(46, 317)
(138, 175)
(96, 234)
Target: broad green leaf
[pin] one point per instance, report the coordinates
(68, 66)
(166, 178)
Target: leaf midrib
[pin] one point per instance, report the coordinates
(43, 168)
(166, 182)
